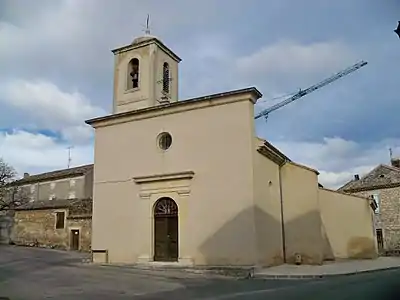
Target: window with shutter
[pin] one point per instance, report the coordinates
(60, 220)
(378, 203)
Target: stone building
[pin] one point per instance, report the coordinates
(58, 213)
(6, 223)
(188, 182)
(72, 183)
(383, 184)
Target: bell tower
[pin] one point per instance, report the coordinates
(145, 74)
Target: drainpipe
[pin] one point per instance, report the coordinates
(282, 219)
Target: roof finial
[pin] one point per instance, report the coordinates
(147, 30)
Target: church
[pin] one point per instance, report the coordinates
(188, 183)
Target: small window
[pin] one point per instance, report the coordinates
(166, 78)
(133, 78)
(60, 220)
(72, 183)
(52, 185)
(164, 140)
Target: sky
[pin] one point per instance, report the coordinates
(56, 71)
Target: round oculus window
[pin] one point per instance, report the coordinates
(164, 140)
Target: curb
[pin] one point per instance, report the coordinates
(224, 272)
(321, 276)
(240, 273)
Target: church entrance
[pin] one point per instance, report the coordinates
(165, 230)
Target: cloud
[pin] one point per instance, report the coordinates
(47, 107)
(335, 180)
(280, 65)
(79, 134)
(277, 68)
(292, 57)
(35, 153)
(76, 51)
(337, 159)
(83, 27)
(44, 99)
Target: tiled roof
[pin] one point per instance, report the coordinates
(271, 152)
(74, 204)
(144, 41)
(304, 167)
(382, 176)
(58, 174)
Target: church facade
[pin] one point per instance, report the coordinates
(188, 182)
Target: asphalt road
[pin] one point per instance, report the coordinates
(29, 273)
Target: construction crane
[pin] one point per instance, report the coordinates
(264, 113)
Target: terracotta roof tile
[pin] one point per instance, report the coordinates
(74, 204)
(58, 174)
(382, 176)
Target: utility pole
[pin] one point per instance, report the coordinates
(69, 156)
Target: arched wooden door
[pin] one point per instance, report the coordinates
(165, 230)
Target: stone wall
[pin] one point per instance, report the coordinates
(84, 224)
(388, 218)
(31, 226)
(38, 227)
(6, 225)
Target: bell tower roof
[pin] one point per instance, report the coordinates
(146, 40)
(143, 38)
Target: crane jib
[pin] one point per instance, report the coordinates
(302, 93)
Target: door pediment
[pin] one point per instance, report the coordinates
(178, 182)
(164, 177)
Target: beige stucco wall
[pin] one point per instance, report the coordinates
(160, 58)
(348, 223)
(151, 57)
(303, 227)
(267, 211)
(216, 209)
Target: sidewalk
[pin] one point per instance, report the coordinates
(329, 269)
